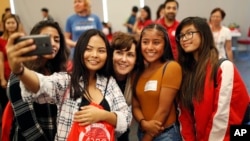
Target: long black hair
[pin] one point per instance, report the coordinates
(167, 53)
(58, 63)
(80, 72)
(194, 71)
(147, 9)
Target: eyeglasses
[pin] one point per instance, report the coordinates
(188, 35)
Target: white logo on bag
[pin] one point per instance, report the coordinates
(102, 130)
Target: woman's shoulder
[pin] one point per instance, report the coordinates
(225, 29)
(173, 64)
(172, 67)
(104, 79)
(94, 16)
(57, 75)
(61, 73)
(226, 63)
(73, 17)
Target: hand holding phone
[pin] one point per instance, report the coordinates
(42, 42)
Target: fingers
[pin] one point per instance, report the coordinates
(13, 37)
(157, 122)
(155, 128)
(78, 117)
(87, 115)
(22, 47)
(82, 120)
(17, 51)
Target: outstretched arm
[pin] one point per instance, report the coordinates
(15, 53)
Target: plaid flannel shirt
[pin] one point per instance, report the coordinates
(29, 122)
(53, 88)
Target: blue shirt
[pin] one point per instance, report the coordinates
(76, 24)
(131, 21)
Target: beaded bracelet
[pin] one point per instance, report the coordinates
(21, 72)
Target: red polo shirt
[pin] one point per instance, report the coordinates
(171, 33)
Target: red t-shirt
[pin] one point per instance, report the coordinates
(7, 70)
(171, 33)
(142, 24)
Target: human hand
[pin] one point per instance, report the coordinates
(3, 83)
(152, 127)
(15, 52)
(88, 115)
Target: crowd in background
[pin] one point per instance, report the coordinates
(163, 73)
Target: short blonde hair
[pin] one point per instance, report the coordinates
(87, 4)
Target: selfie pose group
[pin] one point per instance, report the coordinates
(194, 97)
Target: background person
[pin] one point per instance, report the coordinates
(160, 13)
(170, 23)
(6, 12)
(46, 15)
(80, 22)
(10, 26)
(28, 122)
(125, 62)
(131, 20)
(143, 20)
(222, 34)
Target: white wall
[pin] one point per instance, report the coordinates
(30, 10)
(236, 10)
(119, 10)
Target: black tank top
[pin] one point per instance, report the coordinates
(103, 103)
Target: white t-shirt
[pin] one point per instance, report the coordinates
(220, 39)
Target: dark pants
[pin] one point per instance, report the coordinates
(3, 98)
(3, 102)
(124, 136)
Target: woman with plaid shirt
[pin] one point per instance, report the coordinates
(29, 122)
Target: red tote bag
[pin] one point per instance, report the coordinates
(100, 131)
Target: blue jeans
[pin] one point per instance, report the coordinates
(171, 134)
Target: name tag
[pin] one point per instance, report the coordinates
(151, 85)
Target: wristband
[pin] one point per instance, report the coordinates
(20, 72)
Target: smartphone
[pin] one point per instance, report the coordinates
(42, 42)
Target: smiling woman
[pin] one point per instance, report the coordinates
(187, 35)
(155, 83)
(43, 125)
(125, 62)
(74, 94)
(96, 54)
(222, 34)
